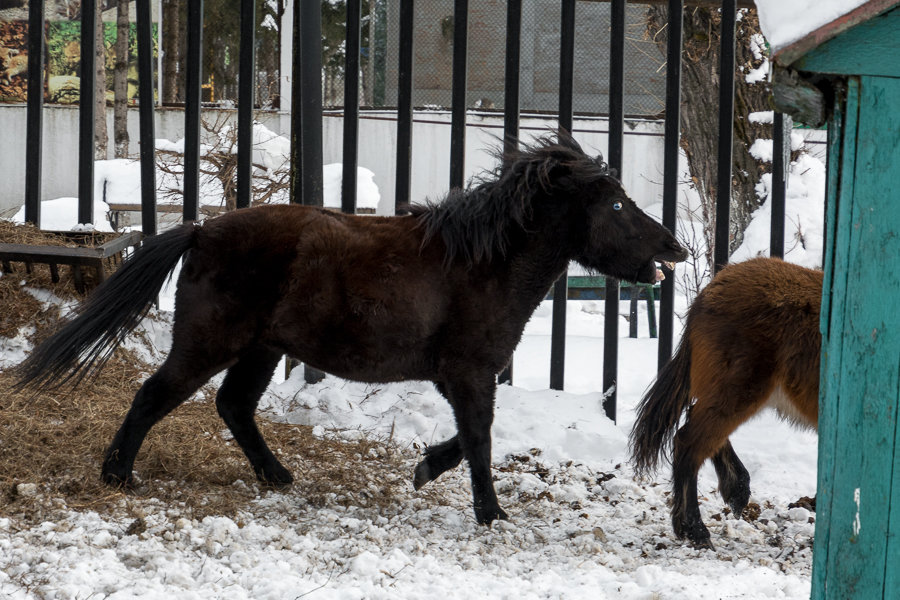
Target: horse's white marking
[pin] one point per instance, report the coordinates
(786, 409)
(856, 523)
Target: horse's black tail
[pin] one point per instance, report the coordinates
(660, 410)
(115, 308)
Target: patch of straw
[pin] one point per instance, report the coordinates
(56, 440)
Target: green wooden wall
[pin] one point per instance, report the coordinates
(857, 544)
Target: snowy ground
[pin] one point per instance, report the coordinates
(580, 526)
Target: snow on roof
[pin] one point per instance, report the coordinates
(785, 23)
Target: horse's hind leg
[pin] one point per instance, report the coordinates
(734, 480)
(171, 385)
(439, 458)
(719, 410)
(236, 402)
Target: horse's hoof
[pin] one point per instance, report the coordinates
(737, 501)
(275, 476)
(695, 532)
(422, 475)
(117, 480)
(486, 517)
(703, 544)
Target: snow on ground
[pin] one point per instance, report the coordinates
(580, 526)
(61, 214)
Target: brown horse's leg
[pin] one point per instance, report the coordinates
(236, 403)
(472, 399)
(439, 459)
(171, 385)
(719, 410)
(734, 480)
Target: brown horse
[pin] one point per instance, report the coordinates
(752, 340)
(441, 294)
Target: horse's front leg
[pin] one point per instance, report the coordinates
(472, 398)
(439, 458)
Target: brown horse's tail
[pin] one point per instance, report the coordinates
(660, 410)
(115, 308)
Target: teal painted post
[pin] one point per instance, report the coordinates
(857, 552)
(838, 132)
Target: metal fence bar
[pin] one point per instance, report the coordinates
(310, 41)
(670, 168)
(404, 105)
(561, 287)
(296, 193)
(458, 95)
(726, 135)
(311, 101)
(191, 201)
(781, 153)
(34, 118)
(512, 76)
(615, 149)
(145, 117)
(246, 100)
(351, 109)
(511, 102)
(296, 179)
(86, 113)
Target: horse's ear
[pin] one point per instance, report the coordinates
(605, 169)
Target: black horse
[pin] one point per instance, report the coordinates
(441, 294)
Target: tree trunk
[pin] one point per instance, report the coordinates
(120, 82)
(172, 36)
(700, 113)
(101, 136)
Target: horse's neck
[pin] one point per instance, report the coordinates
(535, 265)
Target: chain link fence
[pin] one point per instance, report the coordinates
(433, 50)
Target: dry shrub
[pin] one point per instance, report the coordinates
(56, 440)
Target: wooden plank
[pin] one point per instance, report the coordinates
(116, 245)
(61, 254)
(863, 383)
(870, 48)
(892, 558)
(842, 154)
(166, 208)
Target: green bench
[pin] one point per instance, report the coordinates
(589, 287)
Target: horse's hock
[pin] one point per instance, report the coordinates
(79, 250)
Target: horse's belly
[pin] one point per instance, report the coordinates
(372, 357)
(788, 409)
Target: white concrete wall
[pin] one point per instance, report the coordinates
(643, 153)
(642, 174)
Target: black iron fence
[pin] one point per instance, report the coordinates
(306, 129)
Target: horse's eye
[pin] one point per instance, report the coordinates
(617, 205)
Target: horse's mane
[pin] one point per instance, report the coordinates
(475, 223)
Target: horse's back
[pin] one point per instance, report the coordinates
(757, 322)
(351, 295)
